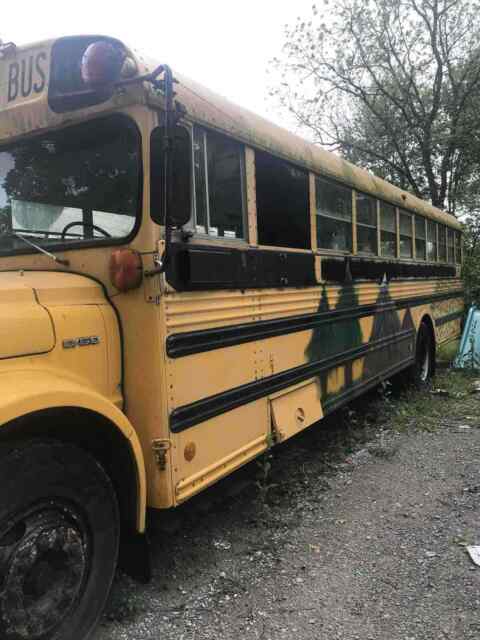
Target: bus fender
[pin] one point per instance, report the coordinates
(26, 393)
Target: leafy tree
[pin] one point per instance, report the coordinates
(394, 86)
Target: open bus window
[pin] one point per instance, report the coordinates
(431, 241)
(334, 215)
(81, 183)
(442, 243)
(219, 185)
(283, 216)
(366, 224)
(406, 244)
(388, 230)
(420, 238)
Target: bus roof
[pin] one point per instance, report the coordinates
(29, 112)
(206, 107)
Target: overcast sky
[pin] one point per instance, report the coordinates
(223, 45)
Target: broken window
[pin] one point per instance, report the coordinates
(420, 238)
(366, 224)
(442, 243)
(431, 241)
(406, 233)
(334, 215)
(388, 230)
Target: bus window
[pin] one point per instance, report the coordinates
(420, 238)
(406, 245)
(431, 241)
(219, 201)
(283, 218)
(450, 246)
(334, 215)
(458, 247)
(442, 243)
(80, 183)
(366, 224)
(388, 230)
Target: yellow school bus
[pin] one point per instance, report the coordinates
(182, 285)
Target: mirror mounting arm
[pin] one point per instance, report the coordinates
(167, 158)
(173, 113)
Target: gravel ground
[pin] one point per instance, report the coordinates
(356, 531)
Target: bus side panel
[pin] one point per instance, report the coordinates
(227, 394)
(213, 449)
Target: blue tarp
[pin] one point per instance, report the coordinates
(468, 356)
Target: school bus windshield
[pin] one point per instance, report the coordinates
(80, 183)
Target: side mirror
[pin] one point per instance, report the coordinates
(181, 177)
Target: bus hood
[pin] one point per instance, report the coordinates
(26, 326)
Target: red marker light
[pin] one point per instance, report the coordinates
(126, 269)
(101, 64)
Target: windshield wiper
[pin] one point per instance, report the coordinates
(65, 263)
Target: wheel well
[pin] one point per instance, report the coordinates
(427, 320)
(93, 433)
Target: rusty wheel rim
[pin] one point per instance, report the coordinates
(44, 563)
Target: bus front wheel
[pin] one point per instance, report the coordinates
(59, 535)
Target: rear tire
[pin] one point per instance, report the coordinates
(424, 367)
(59, 534)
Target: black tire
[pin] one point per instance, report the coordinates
(59, 535)
(424, 367)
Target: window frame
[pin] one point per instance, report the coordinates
(366, 226)
(191, 225)
(458, 239)
(100, 242)
(450, 247)
(380, 229)
(400, 234)
(431, 221)
(309, 225)
(351, 222)
(418, 216)
(440, 226)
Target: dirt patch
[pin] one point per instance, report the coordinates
(355, 529)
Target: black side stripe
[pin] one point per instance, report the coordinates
(201, 410)
(451, 316)
(184, 344)
(359, 388)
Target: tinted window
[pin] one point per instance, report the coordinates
(406, 244)
(80, 183)
(334, 215)
(283, 218)
(388, 230)
(420, 238)
(431, 241)
(219, 202)
(366, 224)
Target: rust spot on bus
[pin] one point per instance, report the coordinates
(190, 451)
